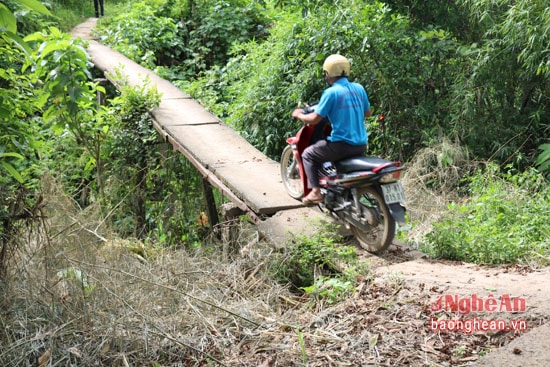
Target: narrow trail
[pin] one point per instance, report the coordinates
(252, 181)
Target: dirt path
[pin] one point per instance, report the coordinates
(469, 280)
(463, 280)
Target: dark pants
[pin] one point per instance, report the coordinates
(98, 4)
(323, 151)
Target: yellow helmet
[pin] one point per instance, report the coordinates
(336, 65)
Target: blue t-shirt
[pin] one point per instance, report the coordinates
(345, 104)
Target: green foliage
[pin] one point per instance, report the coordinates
(51, 122)
(302, 343)
(184, 37)
(543, 160)
(145, 37)
(330, 289)
(319, 266)
(214, 26)
(489, 88)
(48, 78)
(405, 72)
(154, 193)
(305, 5)
(427, 79)
(448, 15)
(175, 204)
(13, 12)
(133, 132)
(505, 221)
(132, 154)
(41, 77)
(61, 63)
(253, 93)
(18, 97)
(501, 105)
(61, 66)
(17, 104)
(525, 27)
(484, 88)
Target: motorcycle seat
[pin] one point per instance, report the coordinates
(360, 163)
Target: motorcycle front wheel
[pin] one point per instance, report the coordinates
(375, 238)
(290, 173)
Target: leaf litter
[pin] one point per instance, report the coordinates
(207, 307)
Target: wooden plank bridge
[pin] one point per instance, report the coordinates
(241, 172)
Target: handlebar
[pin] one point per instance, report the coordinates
(308, 108)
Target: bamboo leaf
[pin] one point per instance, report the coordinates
(35, 5)
(14, 173)
(7, 20)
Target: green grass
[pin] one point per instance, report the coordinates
(506, 220)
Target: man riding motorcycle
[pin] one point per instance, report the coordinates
(346, 105)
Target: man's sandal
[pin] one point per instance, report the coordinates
(308, 201)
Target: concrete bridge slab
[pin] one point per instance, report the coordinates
(183, 111)
(250, 174)
(113, 63)
(220, 153)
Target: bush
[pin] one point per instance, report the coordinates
(319, 266)
(145, 37)
(154, 192)
(505, 221)
(182, 38)
(406, 74)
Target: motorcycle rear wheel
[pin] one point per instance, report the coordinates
(379, 237)
(290, 173)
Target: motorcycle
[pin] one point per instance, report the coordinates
(363, 192)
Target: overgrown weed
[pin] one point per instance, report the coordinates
(471, 211)
(320, 265)
(506, 220)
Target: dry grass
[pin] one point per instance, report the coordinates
(77, 297)
(431, 182)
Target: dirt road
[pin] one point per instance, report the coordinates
(441, 278)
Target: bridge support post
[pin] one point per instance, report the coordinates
(230, 229)
(212, 211)
(101, 96)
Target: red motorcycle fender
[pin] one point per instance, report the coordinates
(292, 140)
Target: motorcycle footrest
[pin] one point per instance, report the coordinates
(341, 207)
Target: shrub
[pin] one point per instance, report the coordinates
(183, 38)
(318, 265)
(264, 81)
(543, 159)
(145, 37)
(505, 221)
